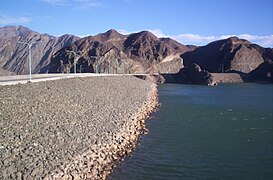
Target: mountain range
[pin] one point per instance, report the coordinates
(112, 52)
(14, 56)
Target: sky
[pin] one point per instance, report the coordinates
(196, 22)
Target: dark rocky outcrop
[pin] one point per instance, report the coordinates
(263, 73)
(14, 56)
(232, 54)
(111, 52)
(193, 74)
(152, 78)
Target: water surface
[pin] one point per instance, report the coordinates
(200, 132)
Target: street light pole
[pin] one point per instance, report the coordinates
(80, 68)
(97, 66)
(96, 63)
(108, 66)
(30, 44)
(75, 57)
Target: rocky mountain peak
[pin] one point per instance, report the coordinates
(67, 36)
(141, 38)
(235, 40)
(231, 54)
(176, 45)
(21, 30)
(110, 35)
(9, 31)
(146, 35)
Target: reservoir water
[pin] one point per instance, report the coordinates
(200, 132)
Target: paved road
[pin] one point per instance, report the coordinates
(22, 79)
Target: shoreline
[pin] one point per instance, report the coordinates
(54, 135)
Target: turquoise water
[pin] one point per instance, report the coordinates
(200, 132)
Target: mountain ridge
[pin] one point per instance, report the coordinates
(14, 56)
(133, 53)
(231, 54)
(140, 52)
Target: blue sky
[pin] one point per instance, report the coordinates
(188, 21)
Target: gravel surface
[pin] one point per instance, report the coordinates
(71, 128)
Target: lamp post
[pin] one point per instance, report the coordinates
(97, 66)
(96, 63)
(80, 68)
(75, 60)
(108, 66)
(29, 44)
(222, 68)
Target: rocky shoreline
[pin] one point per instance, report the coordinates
(72, 128)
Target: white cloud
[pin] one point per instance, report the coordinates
(200, 40)
(85, 4)
(157, 32)
(56, 2)
(13, 20)
(265, 41)
(82, 36)
(78, 4)
(125, 32)
(196, 39)
(193, 38)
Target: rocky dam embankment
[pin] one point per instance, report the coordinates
(75, 128)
